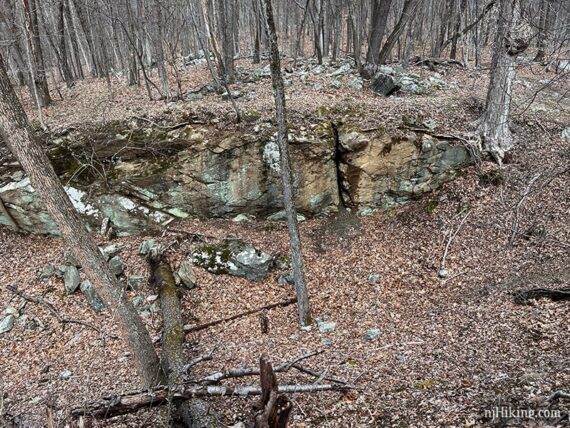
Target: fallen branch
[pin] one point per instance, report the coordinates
(117, 405)
(190, 329)
(515, 225)
(523, 297)
(252, 371)
(450, 240)
(63, 321)
(166, 128)
(558, 394)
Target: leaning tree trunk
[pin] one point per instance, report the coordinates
(18, 135)
(282, 140)
(410, 7)
(494, 123)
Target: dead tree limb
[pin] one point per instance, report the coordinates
(128, 403)
(62, 320)
(253, 371)
(558, 394)
(524, 196)
(190, 329)
(560, 294)
(450, 240)
(274, 409)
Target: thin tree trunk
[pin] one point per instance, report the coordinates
(18, 135)
(282, 140)
(410, 7)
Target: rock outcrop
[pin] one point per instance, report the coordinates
(133, 178)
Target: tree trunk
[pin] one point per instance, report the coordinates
(282, 140)
(380, 11)
(410, 7)
(41, 90)
(494, 126)
(18, 135)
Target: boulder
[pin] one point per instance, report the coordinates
(384, 84)
(116, 266)
(234, 257)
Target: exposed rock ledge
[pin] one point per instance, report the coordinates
(139, 178)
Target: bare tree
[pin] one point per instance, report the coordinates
(282, 141)
(494, 125)
(18, 135)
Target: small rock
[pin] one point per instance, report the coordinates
(60, 272)
(326, 342)
(138, 300)
(47, 273)
(92, 297)
(294, 336)
(146, 246)
(286, 279)
(346, 68)
(135, 282)
(337, 84)
(186, 274)
(152, 298)
(154, 308)
(7, 324)
(374, 278)
(71, 279)
(282, 216)
(70, 258)
(566, 134)
(110, 251)
(11, 310)
(306, 328)
(326, 326)
(443, 273)
(357, 84)
(116, 266)
(235, 95)
(372, 333)
(243, 217)
(66, 374)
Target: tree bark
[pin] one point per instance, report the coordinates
(380, 11)
(18, 135)
(410, 7)
(37, 65)
(282, 141)
(494, 126)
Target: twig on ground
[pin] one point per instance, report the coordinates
(63, 321)
(515, 225)
(190, 329)
(450, 240)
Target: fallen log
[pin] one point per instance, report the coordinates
(173, 361)
(555, 295)
(120, 404)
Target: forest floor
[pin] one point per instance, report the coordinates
(449, 349)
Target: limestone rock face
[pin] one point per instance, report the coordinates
(380, 172)
(163, 177)
(137, 179)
